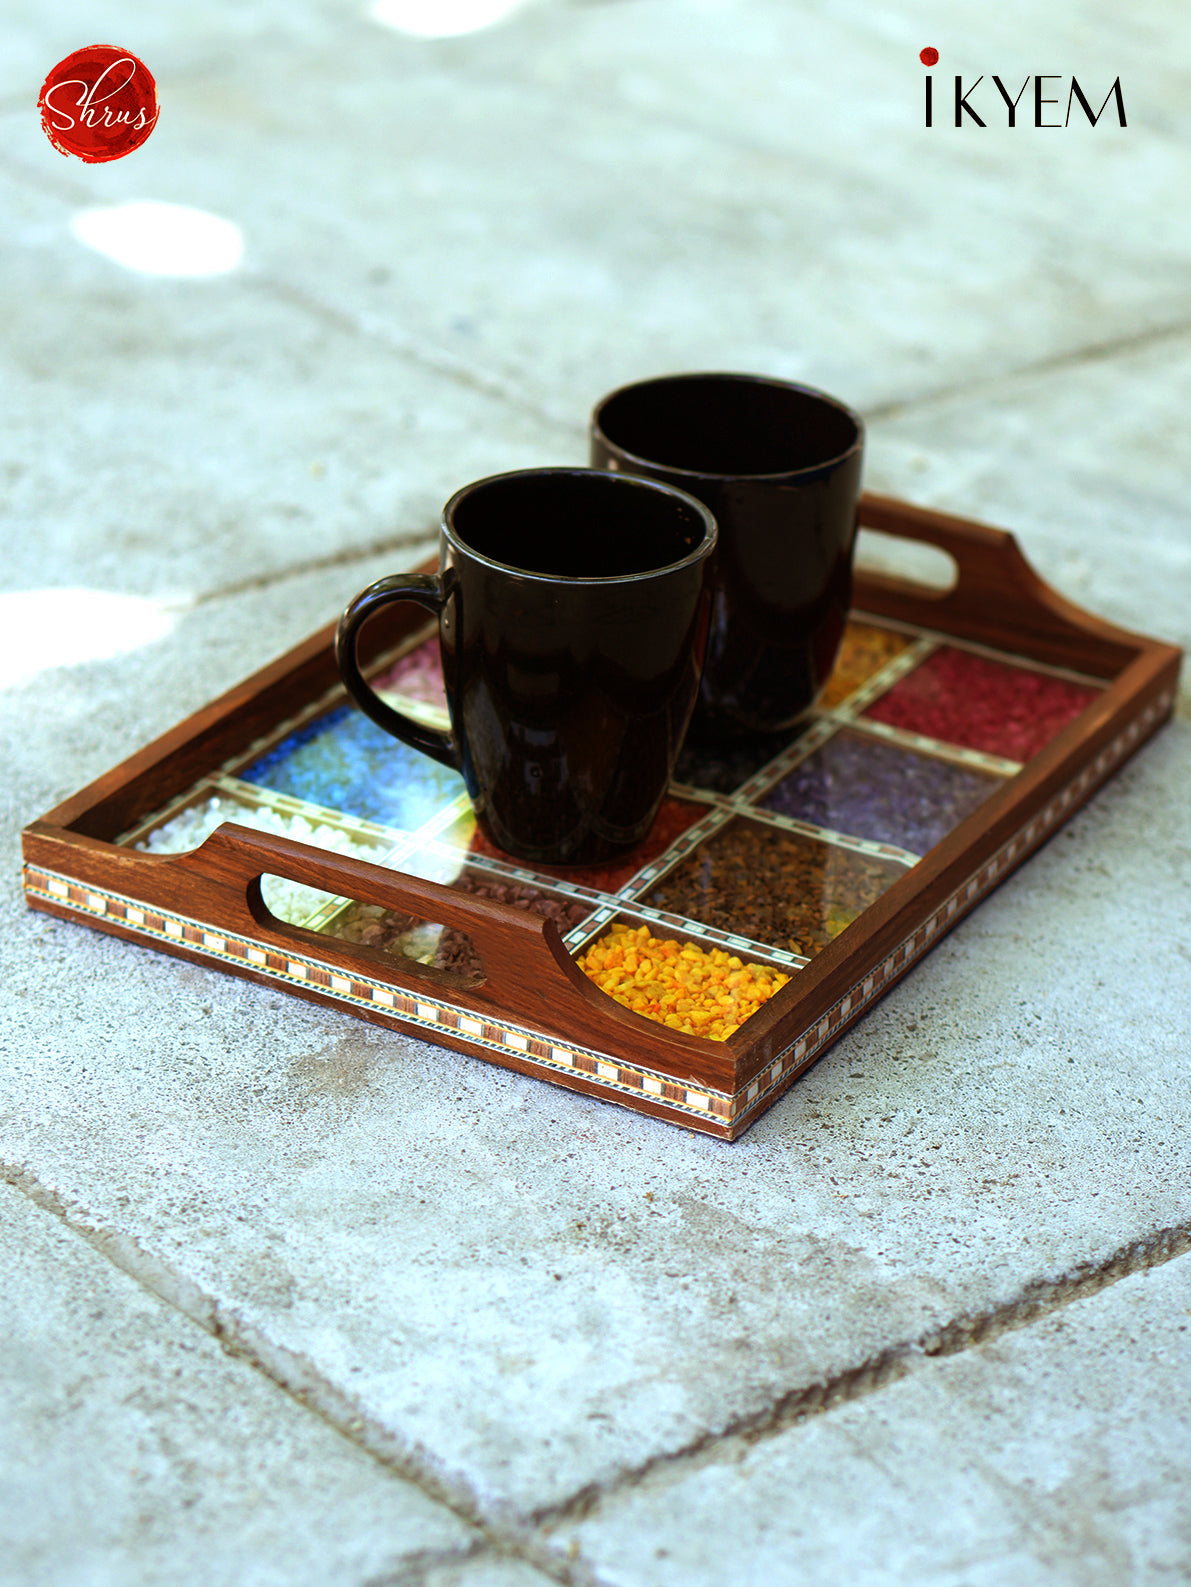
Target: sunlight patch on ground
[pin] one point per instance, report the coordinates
(162, 239)
(40, 629)
(440, 19)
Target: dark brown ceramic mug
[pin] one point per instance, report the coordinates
(779, 465)
(573, 608)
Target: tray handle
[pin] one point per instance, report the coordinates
(529, 974)
(988, 561)
(997, 597)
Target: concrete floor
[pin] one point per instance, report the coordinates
(289, 1299)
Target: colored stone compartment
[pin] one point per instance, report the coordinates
(774, 887)
(565, 912)
(863, 651)
(416, 676)
(345, 762)
(991, 706)
(405, 936)
(870, 789)
(702, 991)
(723, 767)
(673, 819)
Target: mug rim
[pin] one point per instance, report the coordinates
(728, 376)
(705, 546)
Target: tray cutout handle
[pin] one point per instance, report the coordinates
(931, 568)
(422, 946)
(530, 976)
(997, 599)
(984, 558)
(504, 938)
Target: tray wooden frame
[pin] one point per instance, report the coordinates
(537, 1013)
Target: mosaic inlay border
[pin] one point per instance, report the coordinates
(416, 1008)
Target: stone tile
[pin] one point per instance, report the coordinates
(682, 222)
(134, 1450)
(491, 1571)
(190, 437)
(1056, 1454)
(527, 1292)
(669, 219)
(1085, 464)
(539, 1292)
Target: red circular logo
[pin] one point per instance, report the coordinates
(929, 56)
(99, 103)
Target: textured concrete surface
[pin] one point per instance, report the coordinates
(135, 1451)
(1053, 1453)
(927, 1321)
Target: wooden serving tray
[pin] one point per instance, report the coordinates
(958, 732)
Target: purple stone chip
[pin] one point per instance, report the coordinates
(882, 792)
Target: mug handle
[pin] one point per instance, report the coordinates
(430, 590)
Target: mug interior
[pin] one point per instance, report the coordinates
(578, 524)
(727, 425)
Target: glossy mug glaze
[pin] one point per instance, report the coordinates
(573, 608)
(779, 466)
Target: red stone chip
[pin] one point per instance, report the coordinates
(982, 704)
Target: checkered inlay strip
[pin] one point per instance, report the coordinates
(433, 1014)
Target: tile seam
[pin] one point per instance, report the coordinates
(1037, 1300)
(294, 1375)
(435, 360)
(424, 537)
(1127, 344)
